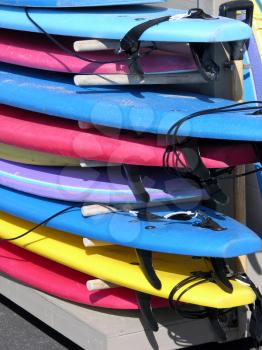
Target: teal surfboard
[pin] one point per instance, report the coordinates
(163, 233)
(114, 23)
(74, 3)
(143, 109)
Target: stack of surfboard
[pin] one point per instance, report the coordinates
(86, 162)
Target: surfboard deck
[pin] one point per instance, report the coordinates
(163, 235)
(114, 23)
(64, 138)
(74, 3)
(63, 282)
(98, 185)
(119, 265)
(140, 109)
(36, 51)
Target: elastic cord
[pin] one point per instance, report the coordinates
(40, 224)
(71, 52)
(172, 134)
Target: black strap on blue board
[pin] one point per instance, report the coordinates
(130, 43)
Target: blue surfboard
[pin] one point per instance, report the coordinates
(143, 109)
(114, 23)
(124, 228)
(74, 3)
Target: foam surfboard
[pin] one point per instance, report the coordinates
(63, 282)
(63, 137)
(119, 265)
(36, 51)
(165, 234)
(100, 185)
(137, 109)
(74, 3)
(114, 23)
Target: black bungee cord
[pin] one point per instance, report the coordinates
(75, 54)
(172, 137)
(40, 224)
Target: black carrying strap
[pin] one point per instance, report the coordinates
(229, 9)
(130, 43)
(191, 152)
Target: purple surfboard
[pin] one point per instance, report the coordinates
(99, 185)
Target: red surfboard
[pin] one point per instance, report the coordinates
(63, 282)
(37, 51)
(63, 137)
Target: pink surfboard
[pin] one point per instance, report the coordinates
(63, 282)
(63, 137)
(36, 51)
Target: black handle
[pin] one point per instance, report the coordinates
(230, 8)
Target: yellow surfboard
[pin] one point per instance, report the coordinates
(119, 264)
(26, 156)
